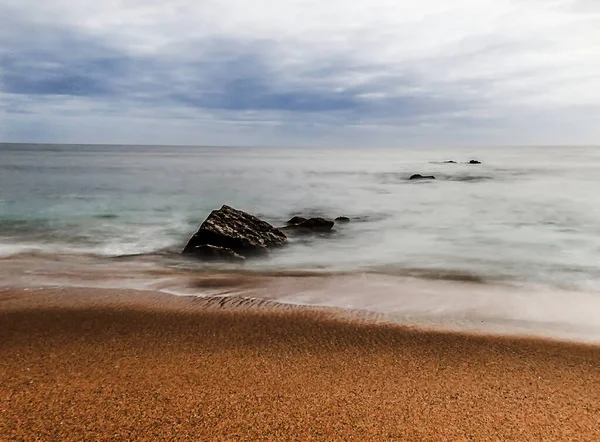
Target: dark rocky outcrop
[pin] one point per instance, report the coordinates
(474, 162)
(449, 162)
(237, 231)
(342, 219)
(421, 177)
(296, 220)
(214, 253)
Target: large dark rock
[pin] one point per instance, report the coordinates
(474, 162)
(238, 231)
(214, 253)
(296, 220)
(421, 177)
(342, 219)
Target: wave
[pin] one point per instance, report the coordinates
(94, 235)
(448, 274)
(406, 293)
(403, 178)
(465, 178)
(230, 277)
(171, 258)
(420, 273)
(108, 250)
(169, 261)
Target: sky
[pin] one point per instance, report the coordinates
(301, 72)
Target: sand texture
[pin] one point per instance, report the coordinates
(85, 364)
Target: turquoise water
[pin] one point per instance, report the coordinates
(525, 216)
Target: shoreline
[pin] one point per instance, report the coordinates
(430, 304)
(435, 299)
(16, 300)
(116, 364)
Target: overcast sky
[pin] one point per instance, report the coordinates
(301, 72)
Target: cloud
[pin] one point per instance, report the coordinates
(358, 70)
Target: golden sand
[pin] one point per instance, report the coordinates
(113, 365)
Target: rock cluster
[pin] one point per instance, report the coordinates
(228, 234)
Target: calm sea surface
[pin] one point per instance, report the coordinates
(526, 219)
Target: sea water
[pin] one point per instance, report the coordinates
(524, 224)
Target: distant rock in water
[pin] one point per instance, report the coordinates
(474, 162)
(237, 231)
(421, 177)
(296, 220)
(214, 253)
(314, 224)
(449, 162)
(342, 219)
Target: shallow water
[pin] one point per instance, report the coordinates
(527, 218)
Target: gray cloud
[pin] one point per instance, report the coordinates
(353, 72)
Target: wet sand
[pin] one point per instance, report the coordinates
(83, 364)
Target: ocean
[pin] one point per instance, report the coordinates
(512, 243)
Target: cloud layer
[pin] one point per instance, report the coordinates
(300, 72)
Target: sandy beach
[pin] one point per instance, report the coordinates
(83, 364)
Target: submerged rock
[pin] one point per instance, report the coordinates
(312, 224)
(421, 177)
(342, 219)
(449, 162)
(296, 220)
(474, 162)
(317, 224)
(238, 231)
(214, 253)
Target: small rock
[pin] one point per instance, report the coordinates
(449, 162)
(312, 224)
(421, 177)
(296, 220)
(317, 224)
(342, 219)
(474, 162)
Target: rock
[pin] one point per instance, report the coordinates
(449, 162)
(296, 220)
(421, 177)
(238, 231)
(317, 224)
(474, 162)
(312, 224)
(214, 253)
(342, 219)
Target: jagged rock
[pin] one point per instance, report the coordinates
(421, 177)
(296, 220)
(214, 253)
(236, 230)
(342, 219)
(474, 162)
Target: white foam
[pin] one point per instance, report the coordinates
(465, 305)
(8, 250)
